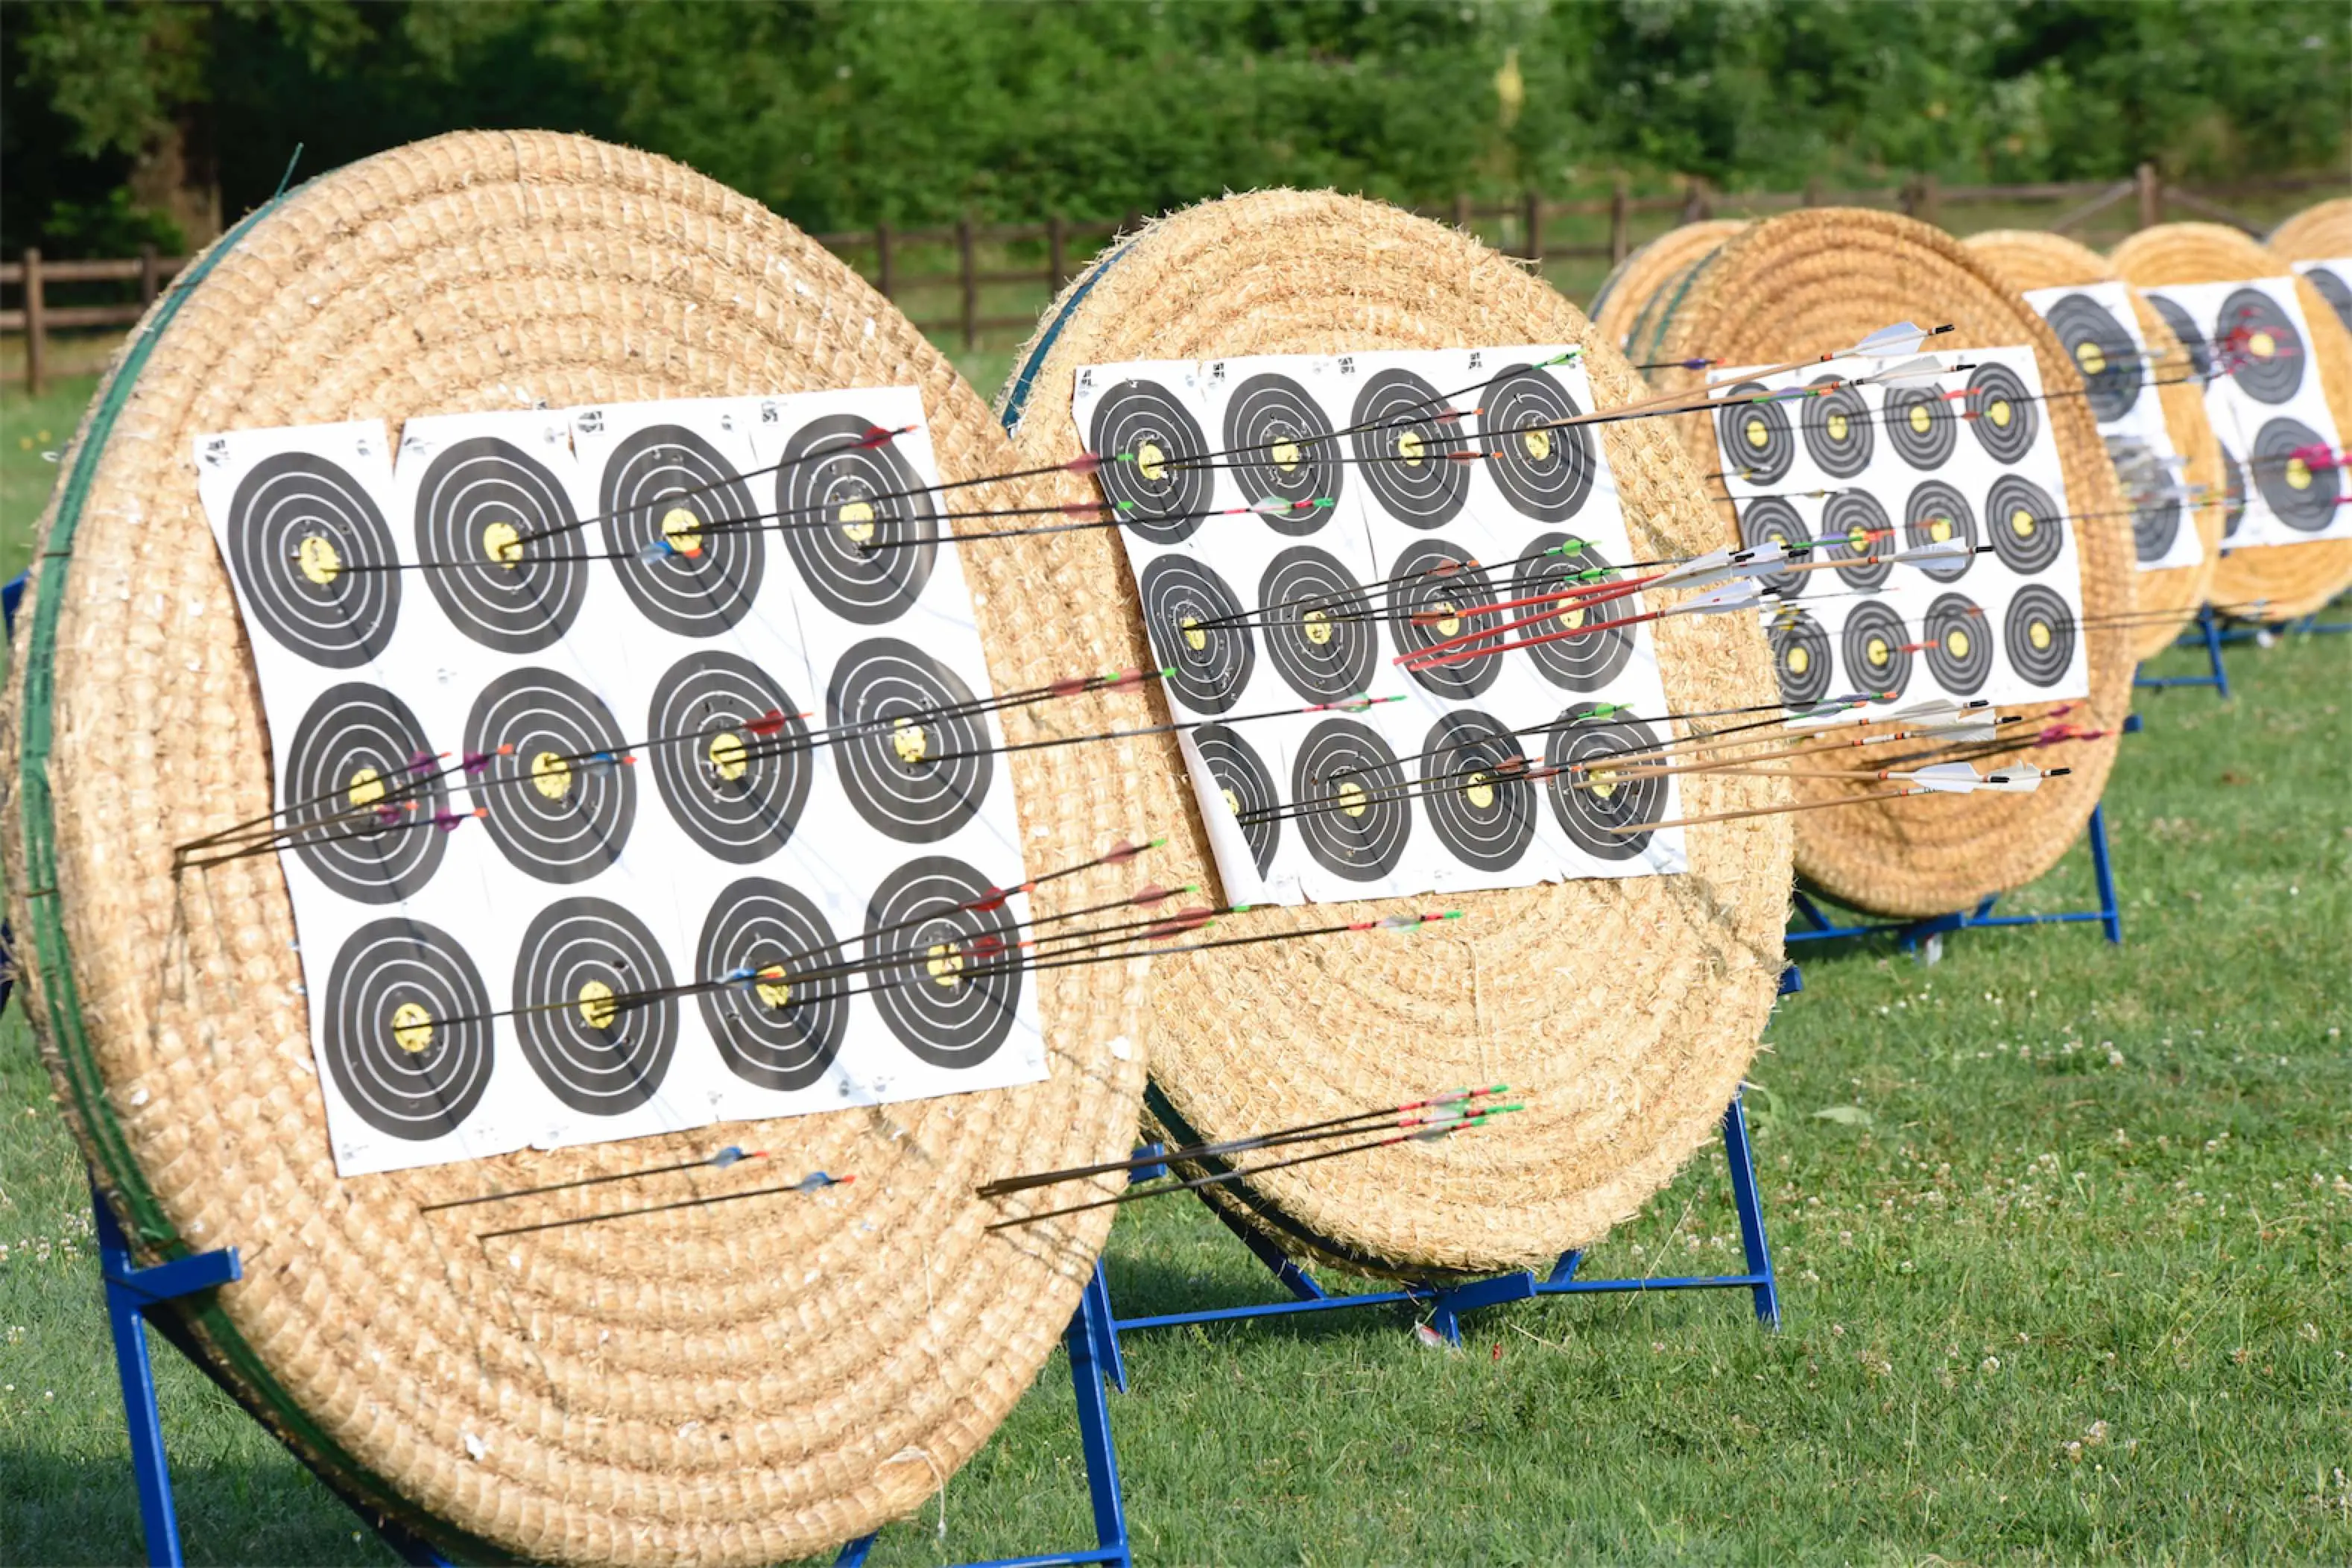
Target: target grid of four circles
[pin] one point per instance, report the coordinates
(578, 964)
(1405, 504)
(2001, 621)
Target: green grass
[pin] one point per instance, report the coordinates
(2072, 1286)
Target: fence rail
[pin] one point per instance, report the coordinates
(1525, 220)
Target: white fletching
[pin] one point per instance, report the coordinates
(1760, 562)
(1946, 778)
(1901, 338)
(1926, 556)
(1696, 566)
(1926, 367)
(2016, 778)
(1743, 595)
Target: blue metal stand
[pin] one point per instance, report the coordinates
(2207, 636)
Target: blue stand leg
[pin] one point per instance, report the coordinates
(1741, 1158)
(2211, 627)
(2111, 915)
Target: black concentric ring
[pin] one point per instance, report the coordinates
(1959, 644)
(505, 539)
(666, 486)
(311, 552)
(2192, 336)
(1544, 466)
(407, 1029)
(946, 979)
(857, 519)
(1921, 425)
(2103, 350)
(1589, 660)
(1282, 448)
(1350, 793)
(560, 794)
(2025, 523)
(2233, 490)
(1248, 785)
(2260, 346)
(1587, 800)
(1800, 656)
(1475, 790)
(1855, 527)
(1837, 428)
(1878, 656)
(731, 755)
(2002, 413)
(1938, 513)
(2333, 289)
(595, 1008)
(1197, 630)
(2039, 634)
(1429, 587)
(777, 1000)
(1405, 449)
(914, 756)
(2301, 495)
(361, 795)
(1154, 460)
(1768, 520)
(2156, 499)
(1758, 442)
(1318, 625)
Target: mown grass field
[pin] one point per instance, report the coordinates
(2066, 1282)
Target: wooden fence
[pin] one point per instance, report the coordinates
(1530, 226)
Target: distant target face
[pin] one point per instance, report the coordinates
(561, 793)
(1877, 653)
(1405, 438)
(1199, 630)
(2191, 335)
(1155, 460)
(1959, 644)
(2103, 352)
(595, 1008)
(1754, 432)
(688, 541)
(2156, 500)
(731, 755)
(1246, 787)
(359, 793)
(1921, 425)
(1837, 428)
(1349, 792)
(1938, 513)
(1544, 466)
(503, 543)
(2259, 346)
(2038, 633)
(2294, 471)
(315, 560)
(2332, 288)
(1318, 625)
(1598, 790)
(1857, 530)
(407, 1029)
(2025, 523)
(914, 755)
(1282, 450)
(2233, 491)
(857, 519)
(1801, 657)
(2002, 413)
(1768, 520)
(1596, 649)
(1474, 788)
(1435, 597)
(946, 978)
(776, 993)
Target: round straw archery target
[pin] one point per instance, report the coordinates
(1590, 806)
(1837, 428)
(480, 499)
(2005, 420)
(1938, 513)
(1755, 435)
(1631, 300)
(1922, 426)
(491, 271)
(1770, 520)
(560, 800)
(1430, 586)
(763, 961)
(683, 531)
(1858, 531)
(1164, 487)
(1543, 466)
(356, 745)
(2335, 287)
(1404, 449)
(2024, 522)
(1350, 788)
(2262, 351)
(1959, 643)
(1319, 626)
(1248, 785)
(1283, 449)
(2103, 350)
(2303, 494)
(729, 753)
(856, 521)
(913, 758)
(1801, 651)
(2320, 231)
(580, 979)
(1479, 803)
(1589, 660)
(1876, 645)
(408, 1028)
(2037, 632)
(941, 973)
(1198, 632)
(315, 559)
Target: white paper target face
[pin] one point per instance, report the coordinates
(1325, 570)
(613, 746)
(1848, 475)
(2280, 446)
(2100, 331)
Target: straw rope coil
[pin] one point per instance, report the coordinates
(1628, 304)
(727, 1386)
(2030, 258)
(2320, 232)
(2289, 580)
(1809, 281)
(1624, 1011)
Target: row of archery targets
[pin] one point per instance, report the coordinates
(584, 802)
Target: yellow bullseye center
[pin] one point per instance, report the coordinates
(1878, 652)
(2263, 345)
(945, 964)
(1195, 637)
(857, 519)
(1955, 643)
(2038, 633)
(1479, 792)
(1604, 782)
(1839, 426)
(1921, 420)
(1316, 625)
(502, 543)
(1800, 659)
(730, 758)
(1857, 538)
(1449, 617)
(1353, 801)
(551, 775)
(1573, 617)
(2001, 413)
(2021, 522)
(320, 560)
(366, 788)
(597, 1008)
(2298, 474)
(1151, 461)
(1232, 801)
(1939, 529)
(772, 989)
(1757, 433)
(1537, 443)
(1286, 456)
(1411, 448)
(412, 1027)
(909, 740)
(2091, 357)
(683, 528)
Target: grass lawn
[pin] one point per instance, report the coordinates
(2068, 1281)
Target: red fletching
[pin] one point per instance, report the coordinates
(991, 899)
(1192, 920)
(772, 722)
(1120, 853)
(1070, 687)
(1154, 893)
(1084, 463)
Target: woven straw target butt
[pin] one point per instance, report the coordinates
(2032, 258)
(727, 1386)
(1631, 297)
(1808, 283)
(2287, 580)
(1623, 1011)
(2320, 232)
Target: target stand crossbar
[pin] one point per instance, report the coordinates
(2207, 636)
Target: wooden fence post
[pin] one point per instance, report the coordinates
(1812, 197)
(37, 323)
(2151, 196)
(151, 275)
(1695, 206)
(968, 276)
(1532, 216)
(882, 258)
(1931, 203)
(1056, 272)
(1620, 213)
(1462, 211)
